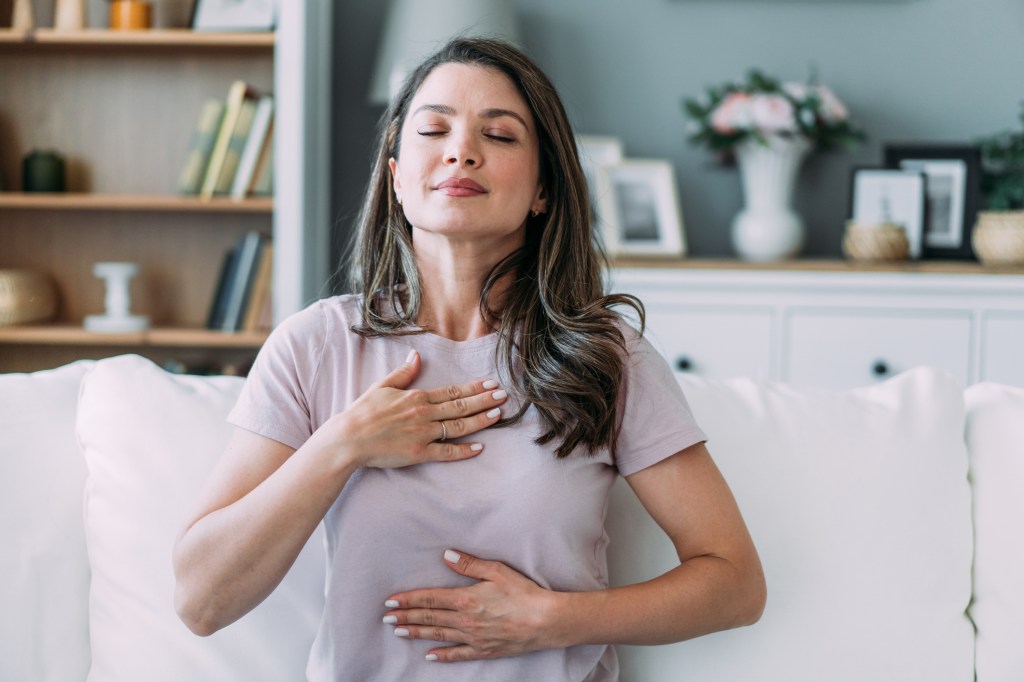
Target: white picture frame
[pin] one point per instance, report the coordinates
(234, 15)
(881, 195)
(945, 191)
(595, 152)
(639, 212)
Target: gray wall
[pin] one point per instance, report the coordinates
(922, 70)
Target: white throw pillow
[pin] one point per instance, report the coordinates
(150, 438)
(859, 505)
(995, 438)
(44, 621)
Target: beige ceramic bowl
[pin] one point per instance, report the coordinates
(998, 238)
(885, 242)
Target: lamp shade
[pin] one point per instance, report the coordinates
(416, 28)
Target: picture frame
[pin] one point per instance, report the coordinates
(952, 193)
(596, 151)
(887, 195)
(639, 210)
(234, 15)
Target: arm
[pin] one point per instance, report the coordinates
(718, 584)
(264, 500)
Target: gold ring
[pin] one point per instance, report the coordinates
(444, 431)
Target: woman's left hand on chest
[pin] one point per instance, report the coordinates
(504, 614)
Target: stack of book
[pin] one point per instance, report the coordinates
(242, 300)
(232, 148)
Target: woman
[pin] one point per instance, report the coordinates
(458, 427)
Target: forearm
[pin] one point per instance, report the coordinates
(228, 561)
(704, 594)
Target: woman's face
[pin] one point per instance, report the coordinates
(469, 160)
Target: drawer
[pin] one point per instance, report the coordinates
(1002, 347)
(845, 348)
(715, 342)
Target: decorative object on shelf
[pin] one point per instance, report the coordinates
(26, 296)
(69, 15)
(881, 196)
(22, 17)
(131, 15)
(998, 238)
(234, 15)
(952, 193)
(639, 210)
(769, 127)
(596, 151)
(414, 29)
(117, 318)
(875, 242)
(43, 171)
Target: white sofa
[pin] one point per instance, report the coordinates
(890, 521)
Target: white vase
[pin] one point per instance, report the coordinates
(767, 228)
(69, 15)
(22, 18)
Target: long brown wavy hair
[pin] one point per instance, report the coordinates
(560, 343)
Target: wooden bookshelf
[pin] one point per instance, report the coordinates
(82, 201)
(66, 335)
(151, 39)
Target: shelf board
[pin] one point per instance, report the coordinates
(166, 337)
(816, 265)
(131, 202)
(154, 38)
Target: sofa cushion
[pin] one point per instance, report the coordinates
(858, 502)
(150, 439)
(995, 438)
(44, 622)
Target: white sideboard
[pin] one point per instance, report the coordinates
(831, 324)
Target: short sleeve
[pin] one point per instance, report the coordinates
(275, 401)
(656, 419)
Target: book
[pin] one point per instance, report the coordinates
(249, 246)
(260, 299)
(236, 145)
(263, 182)
(237, 95)
(200, 146)
(254, 144)
(215, 319)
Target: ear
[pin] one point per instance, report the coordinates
(540, 202)
(393, 165)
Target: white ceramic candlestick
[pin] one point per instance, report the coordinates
(118, 318)
(69, 15)
(22, 19)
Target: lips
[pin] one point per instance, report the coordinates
(461, 187)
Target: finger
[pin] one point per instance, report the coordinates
(435, 633)
(403, 375)
(455, 391)
(473, 567)
(436, 617)
(446, 598)
(465, 407)
(450, 654)
(452, 452)
(457, 428)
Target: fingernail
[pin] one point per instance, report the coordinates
(390, 620)
(431, 657)
(410, 357)
(401, 632)
(476, 447)
(489, 384)
(499, 395)
(493, 413)
(451, 556)
(391, 604)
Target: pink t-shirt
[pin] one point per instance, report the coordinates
(515, 502)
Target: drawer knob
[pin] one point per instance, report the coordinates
(880, 368)
(684, 364)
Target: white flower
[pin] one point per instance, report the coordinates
(773, 114)
(832, 110)
(732, 114)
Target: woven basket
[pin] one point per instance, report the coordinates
(998, 238)
(26, 296)
(884, 242)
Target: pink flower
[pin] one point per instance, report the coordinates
(732, 114)
(773, 114)
(832, 110)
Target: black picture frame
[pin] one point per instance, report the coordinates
(953, 193)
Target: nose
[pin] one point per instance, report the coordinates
(462, 152)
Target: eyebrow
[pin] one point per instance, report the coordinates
(486, 113)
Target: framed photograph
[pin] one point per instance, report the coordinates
(597, 151)
(639, 212)
(881, 195)
(952, 193)
(234, 15)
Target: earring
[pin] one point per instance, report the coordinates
(534, 213)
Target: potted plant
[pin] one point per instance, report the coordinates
(998, 238)
(769, 127)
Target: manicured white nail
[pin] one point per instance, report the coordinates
(431, 657)
(410, 357)
(390, 620)
(401, 632)
(489, 384)
(451, 557)
(391, 604)
(476, 447)
(499, 395)
(494, 413)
